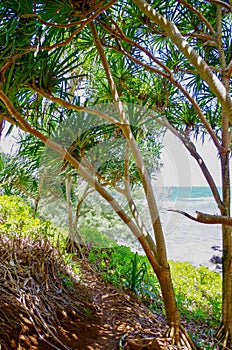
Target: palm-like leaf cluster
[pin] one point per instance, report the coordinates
(51, 69)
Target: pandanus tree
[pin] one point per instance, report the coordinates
(185, 49)
(180, 51)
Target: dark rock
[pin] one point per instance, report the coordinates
(215, 247)
(216, 259)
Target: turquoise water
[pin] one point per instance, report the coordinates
(189, 193)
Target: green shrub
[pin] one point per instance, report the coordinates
(17, 219)
(198, 290)
(93, 237)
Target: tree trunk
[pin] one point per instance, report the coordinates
(38, 196)
(224, 335)
(175, 331)
(157, 258)
(72, 241)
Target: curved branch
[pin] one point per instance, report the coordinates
(137, 61)
(204, 218)
(12, 60)
(182, 89)
(199, 15)
(76, 164)
(194, 58)
(65, 42)
(73, 24)
(119, 34)
(192, 150)
(74, 107)
(51, 24)
(229, 70)
(78, 30)
(220, 3)
(125, 126)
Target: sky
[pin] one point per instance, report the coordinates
(179, 169)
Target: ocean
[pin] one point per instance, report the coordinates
(186, 239)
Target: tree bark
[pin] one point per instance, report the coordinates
(38, 196)
(157, 258)
(224, 334)
(72, 241)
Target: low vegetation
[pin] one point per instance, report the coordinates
(198, 290)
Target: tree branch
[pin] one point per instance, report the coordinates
(119, 34)
(72, 106)
(220, 3)
(77, 165)
(194, 58)
(204, 218)
(72, 24)
(199, 15)
(78, 30)
(145, 179)
(193, 151)
(229, 69)
(169, 76)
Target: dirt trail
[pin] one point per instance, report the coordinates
(117, 315)
(44, 306)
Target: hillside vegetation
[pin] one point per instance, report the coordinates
(43, 284)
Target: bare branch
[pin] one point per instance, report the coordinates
(204, 218)
(193, 151)
(220, 3)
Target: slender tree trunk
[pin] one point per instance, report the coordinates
(224, 334)
(72, 241)
(157, 258)
(38, 196)
(175, 331)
